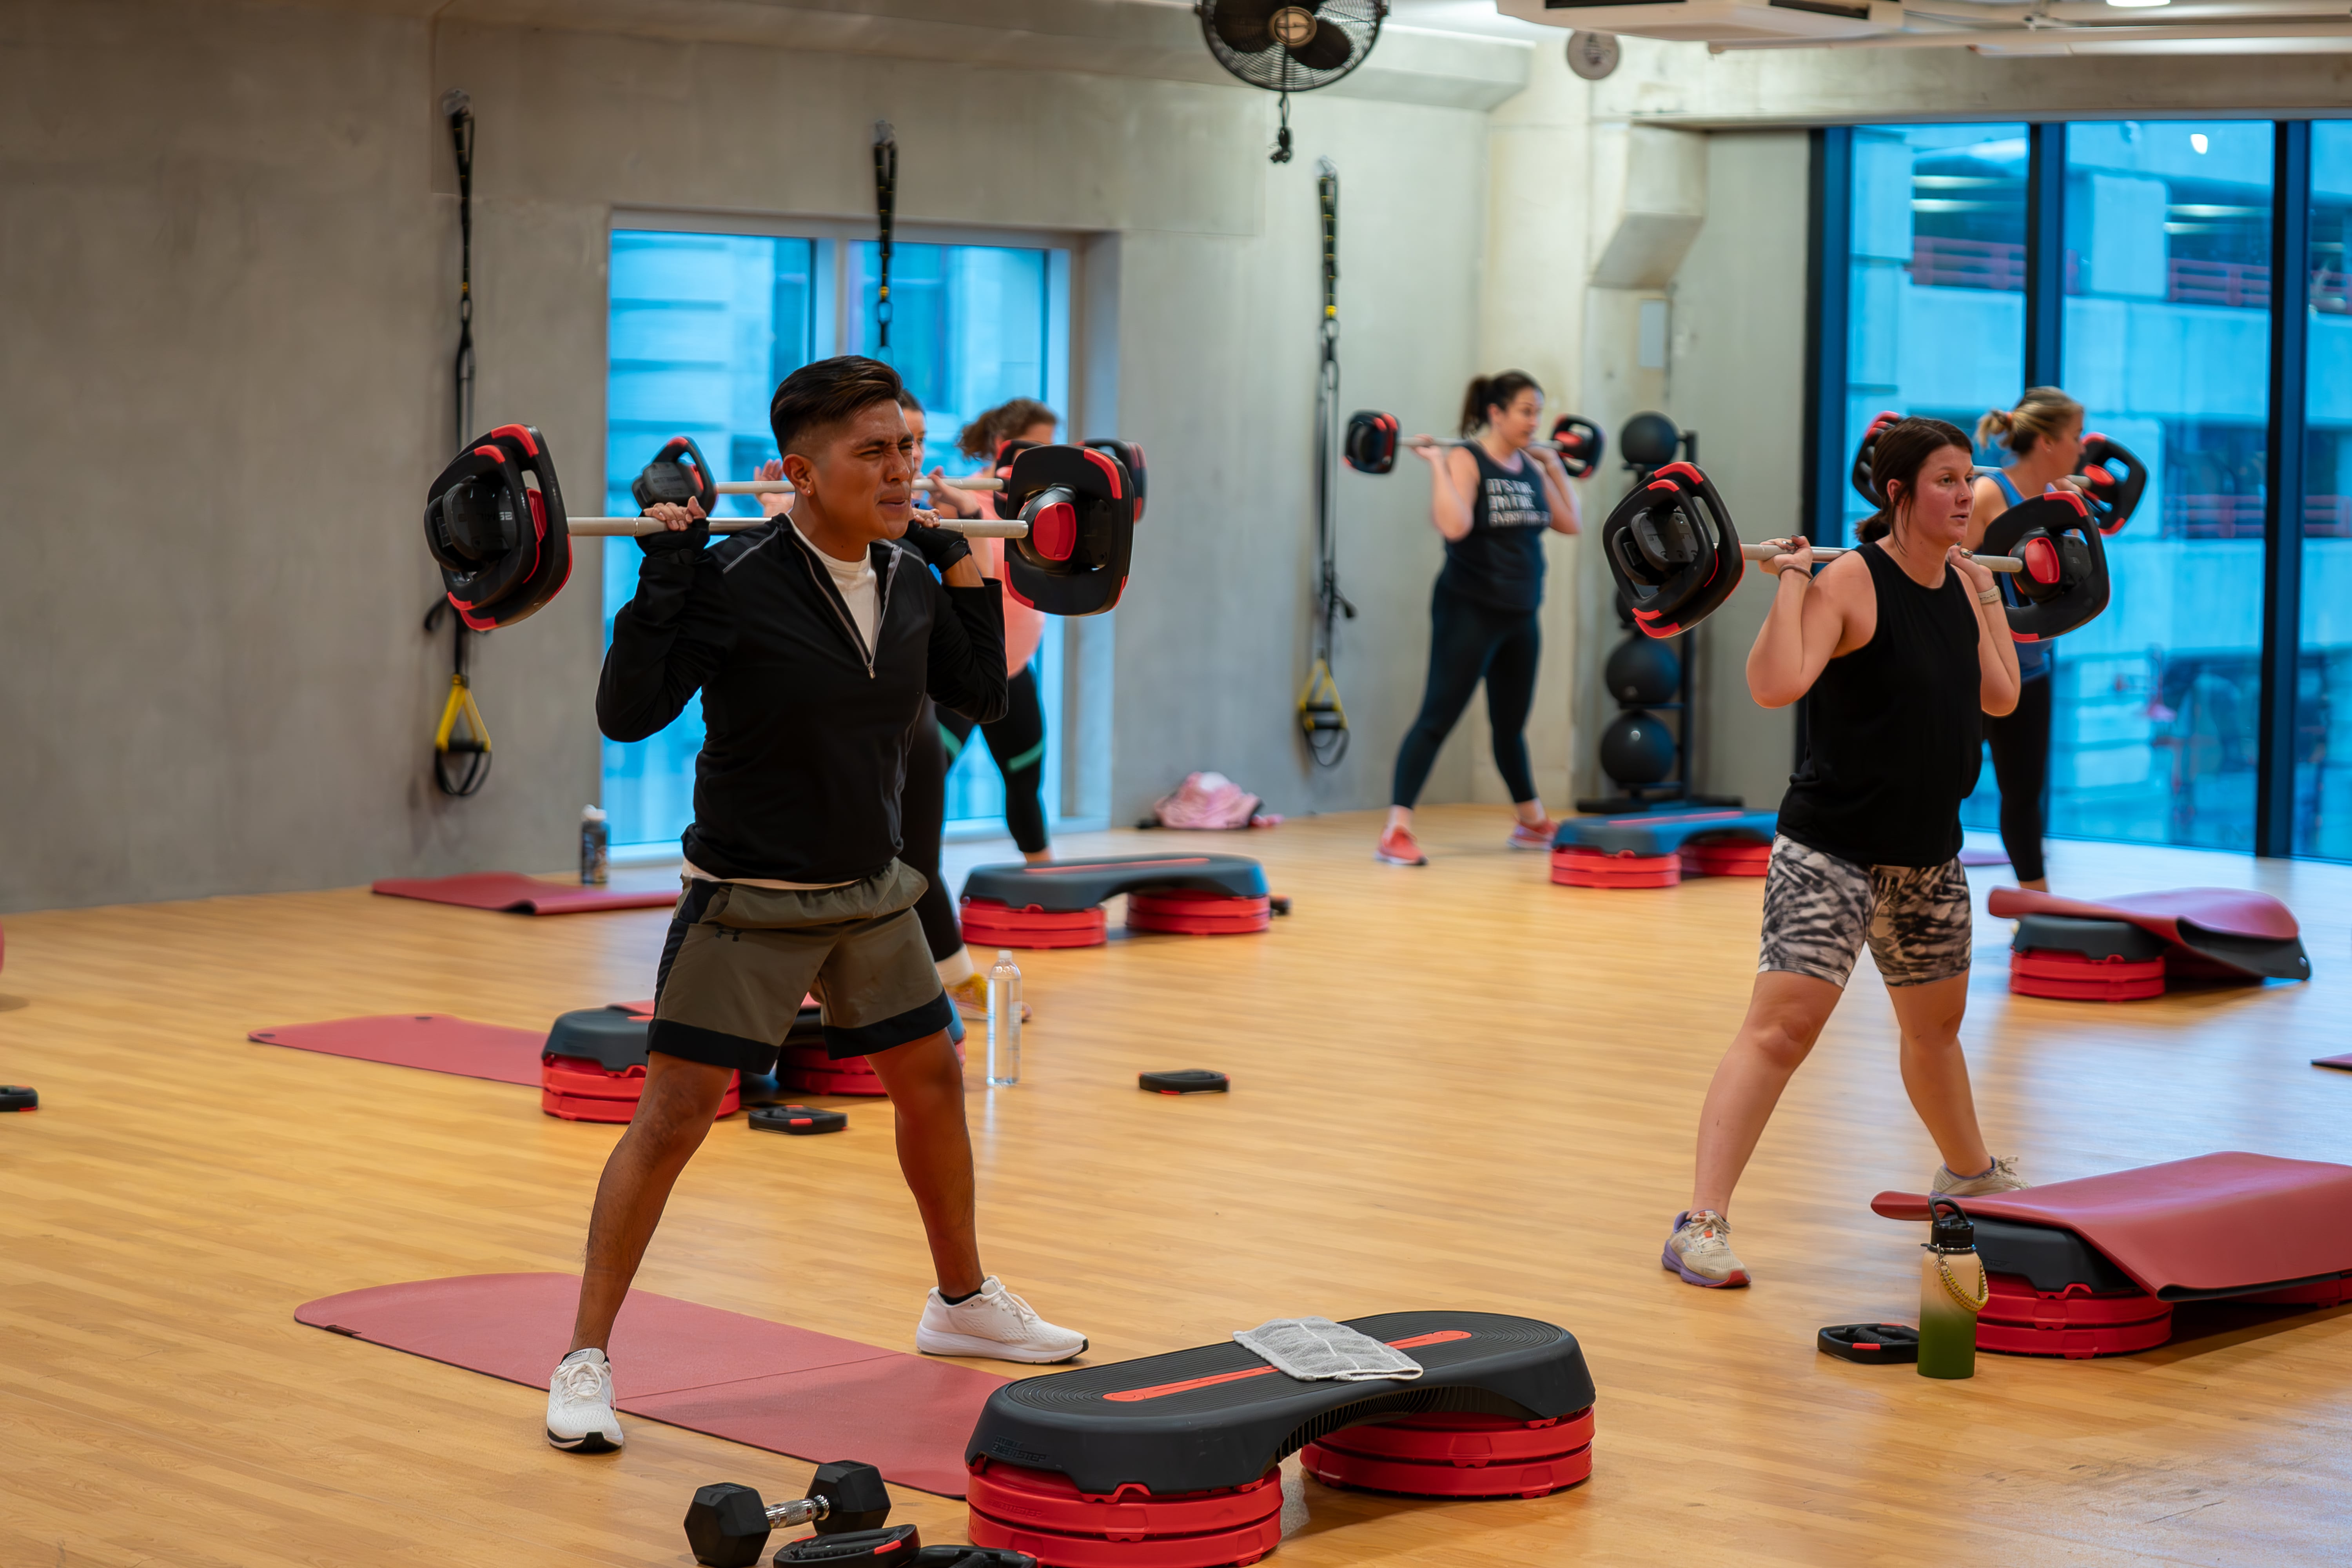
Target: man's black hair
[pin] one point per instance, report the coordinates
(829, 392)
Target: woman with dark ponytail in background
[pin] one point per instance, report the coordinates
(1897, 650)
(2044, 435)
(1492, 498)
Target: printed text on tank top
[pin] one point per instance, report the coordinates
(1511, 500)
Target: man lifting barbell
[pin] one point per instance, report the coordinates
(814, 640)
(1895, 650)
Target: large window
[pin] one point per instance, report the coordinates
(2323, 729)
(2167, 344)
(702, 328)
(2132, 263)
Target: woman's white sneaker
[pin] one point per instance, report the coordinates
(2002, 1177)
(580, 1418)
(995, 1324)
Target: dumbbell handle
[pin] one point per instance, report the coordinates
(784, 488)
(1770, 548)
(972, 528)
(800, 1511)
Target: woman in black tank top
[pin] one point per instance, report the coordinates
(1493, 500)
(1896, 650)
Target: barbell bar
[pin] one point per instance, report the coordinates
(970, 528)
(784, 486)
(1774, 547)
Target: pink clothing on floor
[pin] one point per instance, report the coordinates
(1024, 627)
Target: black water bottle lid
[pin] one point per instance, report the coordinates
(1952, 1232)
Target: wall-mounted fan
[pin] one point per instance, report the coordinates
(1290, 45)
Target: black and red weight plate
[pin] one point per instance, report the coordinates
(1184, 1080)
(801, 1121)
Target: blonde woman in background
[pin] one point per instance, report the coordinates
(2043, 435)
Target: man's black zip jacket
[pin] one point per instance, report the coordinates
(805, 733)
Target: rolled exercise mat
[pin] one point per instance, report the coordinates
(750, 1380)
(510, 893)
(432, 1042)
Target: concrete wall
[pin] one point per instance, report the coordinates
(227, 241)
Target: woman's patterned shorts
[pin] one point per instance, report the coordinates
(1820, 909)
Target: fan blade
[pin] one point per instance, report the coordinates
(1328, 50)
(1242, 24)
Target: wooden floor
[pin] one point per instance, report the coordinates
(1454, 1087)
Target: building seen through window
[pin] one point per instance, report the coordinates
(702, 328)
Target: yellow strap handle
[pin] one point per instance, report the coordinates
(461, 701)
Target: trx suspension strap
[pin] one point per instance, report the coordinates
(458, 106)
(885, 203)
(1320, 716)
(448, 746)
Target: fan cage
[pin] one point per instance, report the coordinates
(1233, 27)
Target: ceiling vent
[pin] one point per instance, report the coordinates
(1717, 21)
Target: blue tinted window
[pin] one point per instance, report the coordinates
(704, 326)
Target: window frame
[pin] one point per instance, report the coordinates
(1074, 725)
(1828, 328)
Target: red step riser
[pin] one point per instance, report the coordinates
(1465, 1441)
(2075, 1344)
(2073, 977)
(990, 924)
(1044, 1499)
(1727, 859)
(1053, 1549)
(1408, 1477)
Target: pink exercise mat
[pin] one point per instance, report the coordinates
(514, 893)
(2215, 933)
(745, 1379)
(434, 1042)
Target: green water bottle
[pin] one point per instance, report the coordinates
(1952, 1290)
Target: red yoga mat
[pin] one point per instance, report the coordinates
(2217, 931)
(514, 893)
(2218, 1223)
(745, 1379)
(434, 1042)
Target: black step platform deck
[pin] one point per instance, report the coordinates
(1218, 1416)
(1060, 886)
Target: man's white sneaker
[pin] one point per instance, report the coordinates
(1700, 1249)
(580, 1417)
(2002, 1178)
(995, 1324)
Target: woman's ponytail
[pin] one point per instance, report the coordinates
(1993, 427)
(1495, 390)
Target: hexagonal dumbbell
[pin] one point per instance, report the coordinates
(727, 1525)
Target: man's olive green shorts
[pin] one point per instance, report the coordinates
(739, 960)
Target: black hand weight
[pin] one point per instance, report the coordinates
(494, 520)
(2065, 583)
(1671, 546)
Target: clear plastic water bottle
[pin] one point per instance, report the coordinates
(596, 847)
(1004, 1020)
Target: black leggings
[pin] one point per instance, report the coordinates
(1470, 642)
(1017, 744)
(2021, 766)
(923, 806)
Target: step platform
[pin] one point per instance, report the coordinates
(1059, 903)
(2207, 933)
(1658, 849)
(2072, 959)
(2094, 1266)
(1171, 1460)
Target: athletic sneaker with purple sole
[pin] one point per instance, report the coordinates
(1699, 1250)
